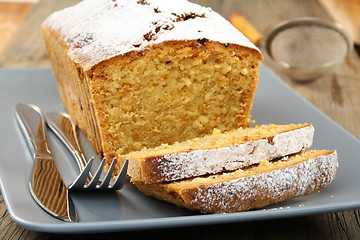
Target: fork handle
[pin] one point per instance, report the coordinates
(63, 126)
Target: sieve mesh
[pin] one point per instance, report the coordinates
(308, 46)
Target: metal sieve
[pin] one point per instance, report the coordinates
(307, 48)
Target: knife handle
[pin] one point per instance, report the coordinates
(32, 124)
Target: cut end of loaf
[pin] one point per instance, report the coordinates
(173, 92)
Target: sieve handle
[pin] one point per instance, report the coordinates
(247, 28)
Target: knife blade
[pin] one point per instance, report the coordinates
(46, 185)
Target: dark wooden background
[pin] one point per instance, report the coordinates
(336, 95)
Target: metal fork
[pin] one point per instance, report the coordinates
(63, 127)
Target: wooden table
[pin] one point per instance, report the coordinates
(12, 14)
(336, 95)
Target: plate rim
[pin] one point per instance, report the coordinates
(180, 221)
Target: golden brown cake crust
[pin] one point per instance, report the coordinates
(73, 86)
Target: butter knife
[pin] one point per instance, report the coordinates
(46, 185)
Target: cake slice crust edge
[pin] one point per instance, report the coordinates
(241, 148)
(268, 183)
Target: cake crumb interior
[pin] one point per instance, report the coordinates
(173, 92)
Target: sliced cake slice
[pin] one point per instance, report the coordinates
(254, 187)
(218, 152)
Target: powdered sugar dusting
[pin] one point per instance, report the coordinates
(262, 189)
(182, 165)
(96, 30)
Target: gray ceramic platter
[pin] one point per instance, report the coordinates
(129, 209)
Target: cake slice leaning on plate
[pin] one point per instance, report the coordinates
(218, 152)
(250, 188)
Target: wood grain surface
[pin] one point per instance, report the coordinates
(337, 95)
(347, 13)
(12, 14)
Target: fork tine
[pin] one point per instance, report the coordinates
(96, 178)
(82, 178)
(105, 184)
(120, 179)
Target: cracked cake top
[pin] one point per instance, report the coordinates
(96, 30)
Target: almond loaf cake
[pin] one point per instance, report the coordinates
(140, 73)
(251, 188)
(218, 152)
